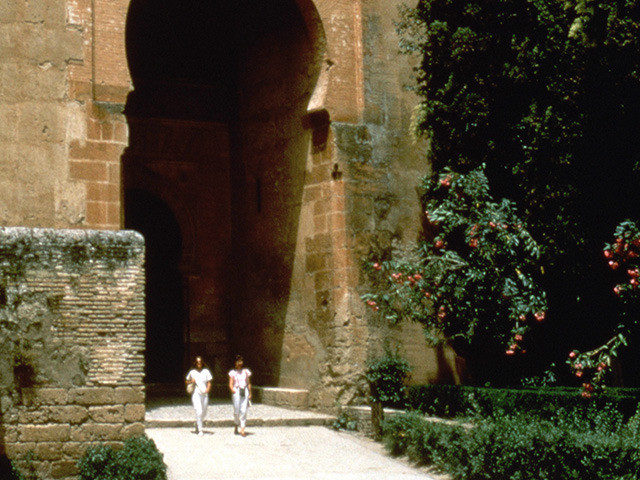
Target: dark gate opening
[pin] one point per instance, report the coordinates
(164, 287)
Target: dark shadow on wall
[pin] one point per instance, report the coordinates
(7, 471)
(445, 374)
(5, 465)
(277, 70)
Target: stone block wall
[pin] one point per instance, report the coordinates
(65, 81)
(362, 416)
(97, 133)
(72, 341)
(359, 195)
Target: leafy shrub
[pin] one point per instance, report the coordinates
(424, 441)
(473, 282)
(456, 400)
(399, 431)
(138, 460)
(387, 380)
(597, 444)
(98, 463)
(345, 421)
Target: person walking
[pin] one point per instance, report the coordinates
(201, 378)
(240, 387)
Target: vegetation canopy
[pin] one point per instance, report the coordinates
(472, 286)
(545, 94)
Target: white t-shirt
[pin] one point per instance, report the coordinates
(240, 378)
(201, 377)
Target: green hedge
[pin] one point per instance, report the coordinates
(138, 460)
(456, 400)
(596, 445)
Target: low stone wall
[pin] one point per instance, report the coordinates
(362, 416)
(72, 337)
(282, 397)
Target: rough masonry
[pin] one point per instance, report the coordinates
(262, 149)
(72, 339)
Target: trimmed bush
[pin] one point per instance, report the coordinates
(597, 445)
(456, 400)
(138, 460)
(387, 380)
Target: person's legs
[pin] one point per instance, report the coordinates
(244, 403)
(236, 409)
(196, 399)
(204, 404)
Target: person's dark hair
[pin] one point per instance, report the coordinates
(239, 357)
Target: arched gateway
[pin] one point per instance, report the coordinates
(261, 146)
(217, 134)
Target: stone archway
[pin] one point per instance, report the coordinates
(220, 93)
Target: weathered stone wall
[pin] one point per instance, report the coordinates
(360, 192)
(60, 135)
(386, 163)
(276, 79)
(72, 341)
(97, 86)
(272, 240)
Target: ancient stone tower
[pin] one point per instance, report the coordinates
(259, 146)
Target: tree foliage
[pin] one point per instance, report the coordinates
(546, 94)
(474, 284)
(623, 258)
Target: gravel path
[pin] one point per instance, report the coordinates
(281, 444)
(277, 453)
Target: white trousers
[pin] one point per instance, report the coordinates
(240, 404)
(200, 403)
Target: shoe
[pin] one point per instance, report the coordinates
(235, 430)
(243, 434)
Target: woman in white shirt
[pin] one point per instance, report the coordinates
(240, 386)
(202, 378)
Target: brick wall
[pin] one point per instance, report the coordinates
(65, 81)
(72, 341)
(98, 83)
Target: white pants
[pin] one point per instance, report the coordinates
(240, 404)
(200, 403)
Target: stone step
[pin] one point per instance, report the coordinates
(251, 422)
(276, 396)
(177, 412)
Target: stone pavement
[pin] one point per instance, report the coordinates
(281, 444)
(178, 412)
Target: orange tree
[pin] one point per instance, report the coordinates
(473, 284)
(546, 94)
(623, 258)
